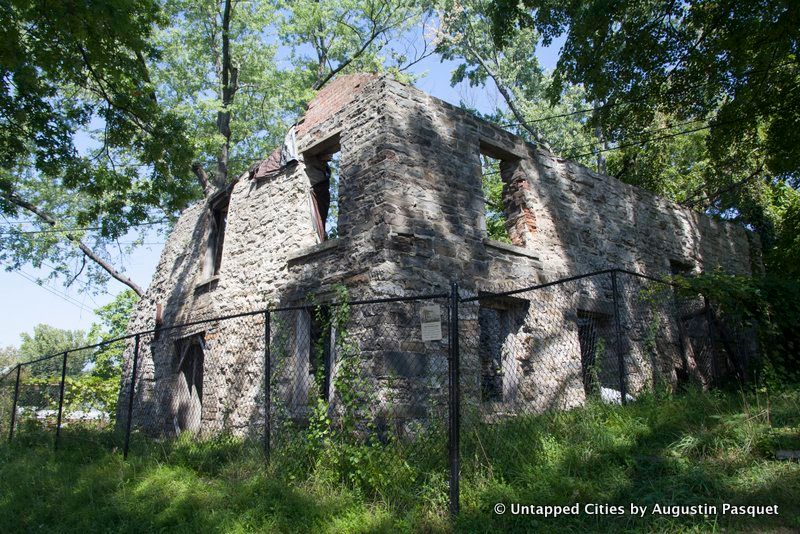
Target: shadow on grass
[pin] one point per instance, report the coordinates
(688, 450)
(694, 449)
(215, 486)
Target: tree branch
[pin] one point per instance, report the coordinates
(503, 90)
(692, 201)
(376, 31)
(202, 177)
(89, 253)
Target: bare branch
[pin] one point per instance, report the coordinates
(89, 253)
(202, 177)
(509, 99)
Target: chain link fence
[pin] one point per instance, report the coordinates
(607, 337)
(202, 379)
(420, 387)
(8, 382)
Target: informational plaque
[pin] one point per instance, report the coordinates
(431, 322)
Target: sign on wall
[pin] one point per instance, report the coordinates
(431, 322)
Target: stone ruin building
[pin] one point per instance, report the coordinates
(411, 219)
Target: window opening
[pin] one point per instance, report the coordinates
(216, 236)
(594, 349)
(323, 168)
(500, 321)
(320, 339)
(493, 191)
(189, 388)
(680, 268)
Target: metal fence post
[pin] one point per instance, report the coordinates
(712, 342)
(618, 334)
(454, 411)
(130, 398)
(61, 398)
(267, 384)
(14, 405)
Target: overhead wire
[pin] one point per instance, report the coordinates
(65, 230)
(654, 138)
(643, 133)
(63, 296)
(634, 100)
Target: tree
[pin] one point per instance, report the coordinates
(48, 340)
(728, 69)
(174, 100)
(97, 387)
(464, 35)
(66, 67)
(345, 34)
(9, 357)
(114, 316)
(93, 376)
(220, 69)
(734, 60)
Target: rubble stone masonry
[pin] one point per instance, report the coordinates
(411, 220)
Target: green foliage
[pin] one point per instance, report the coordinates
(597, 364)
(188, 80)
(344, 35)
(9, 356)
(109, 107)
(65, 65)
(98, 388)
(493, 189)
(342, 433)
(768, 305)
(700, 107)
(113, 324)
(783, 256)
(48, 340)
(92, 379)
(465, 37)
(695, 448)
(674, 167)
(744, 63)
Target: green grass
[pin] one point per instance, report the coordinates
(691, 449)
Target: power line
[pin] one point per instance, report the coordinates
(84, 283)
(632, 101)
(62, 296)
(137, 243)
(238, 159)
(654, 130)
(656, 138)
(65, 230)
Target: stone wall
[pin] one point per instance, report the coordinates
(412, 219)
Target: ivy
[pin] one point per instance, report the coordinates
(768, 305)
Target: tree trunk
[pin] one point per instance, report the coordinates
(230, 76)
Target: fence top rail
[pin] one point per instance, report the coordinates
(427, 296)
(564, 281)
(647, 277)
(381, 300)
(535, 287)
(8, 372)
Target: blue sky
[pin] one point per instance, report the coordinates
(27, 304)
